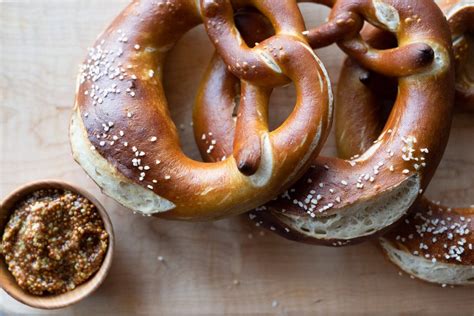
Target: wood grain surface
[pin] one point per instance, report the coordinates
(224, 267)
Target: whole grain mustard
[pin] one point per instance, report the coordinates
(54, 241)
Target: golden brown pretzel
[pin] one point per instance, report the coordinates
(335, 201)
(460, 15)
(122, 134)
(434, 243)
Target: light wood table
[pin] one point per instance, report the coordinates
(225, 267)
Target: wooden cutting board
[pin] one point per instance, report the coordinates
(225, 267)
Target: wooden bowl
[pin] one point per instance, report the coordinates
(7, 281)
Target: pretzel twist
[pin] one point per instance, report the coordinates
(122, 134)
(335, 201)
(346, 20)
(257, 64)
(271, 63)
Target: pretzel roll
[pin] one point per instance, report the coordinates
(339, 202)
(122, 134)
(460, 15)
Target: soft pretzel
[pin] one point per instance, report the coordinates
(122, 134)
(340, 201)
(434, 243)
(460, 15)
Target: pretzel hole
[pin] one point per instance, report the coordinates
(314, 14)
(465, 75)
(385, 91)
(456, 169)
(253, 25)
(282, 103)
(182, 74)
(453, 183)
(236, 101)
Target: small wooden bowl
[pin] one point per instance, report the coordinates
(7, 281)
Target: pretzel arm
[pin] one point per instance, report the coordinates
(252, 122)
(335, 30)
(404, 60)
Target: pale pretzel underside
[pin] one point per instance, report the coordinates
(359, 220)
(425, 269)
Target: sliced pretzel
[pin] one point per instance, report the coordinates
(334, 202)
(434, 243)
(122, 134)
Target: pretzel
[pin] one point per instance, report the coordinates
(122, 135)
(339, 202)
(460, 15)
(434, 243)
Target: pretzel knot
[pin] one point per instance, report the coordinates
(286, 55)
(346, 20)
(261, 64)
(123, 136)
(343, 201)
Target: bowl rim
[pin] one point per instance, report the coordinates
(55, 301)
